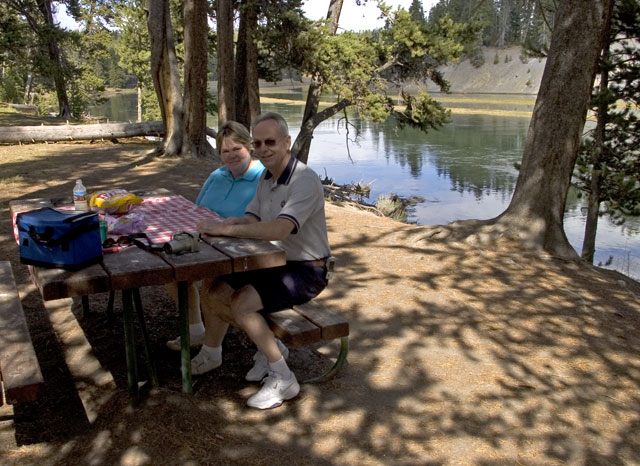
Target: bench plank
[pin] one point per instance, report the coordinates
(21, 375)
(292, 328)
(331, 325)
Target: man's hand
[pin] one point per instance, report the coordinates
(210, 227)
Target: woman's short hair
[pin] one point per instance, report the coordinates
(283, 128)
(236, 131)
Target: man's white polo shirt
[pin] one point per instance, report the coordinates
(297, 196)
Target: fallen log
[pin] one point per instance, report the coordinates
(52, 133)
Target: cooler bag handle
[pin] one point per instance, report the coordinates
(81, 216)
(41, 238)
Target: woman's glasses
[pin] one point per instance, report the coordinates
(269, 142)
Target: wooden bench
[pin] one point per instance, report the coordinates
(311, 323)
(19, 368)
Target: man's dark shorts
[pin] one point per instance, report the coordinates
(282, 287)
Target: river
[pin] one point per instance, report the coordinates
(464, 170)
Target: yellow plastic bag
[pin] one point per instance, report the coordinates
(115, 201)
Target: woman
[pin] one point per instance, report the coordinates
(227, 192)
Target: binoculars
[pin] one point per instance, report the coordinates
(182, 243)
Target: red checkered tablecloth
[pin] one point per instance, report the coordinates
(166, 215)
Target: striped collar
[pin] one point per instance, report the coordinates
(285, 177)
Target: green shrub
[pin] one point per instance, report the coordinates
(477, 60)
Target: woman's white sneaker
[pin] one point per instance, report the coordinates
(194, 340)
(204, 362)
(275, 389)
(261, 366)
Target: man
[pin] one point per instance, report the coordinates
(288, 209)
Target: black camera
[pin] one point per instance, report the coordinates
(182, 243)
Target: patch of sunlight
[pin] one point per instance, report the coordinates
(11, 180)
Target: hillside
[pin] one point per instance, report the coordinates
(503, 72)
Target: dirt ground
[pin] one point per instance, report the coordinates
(460, 354)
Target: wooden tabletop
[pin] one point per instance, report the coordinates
(134, 267)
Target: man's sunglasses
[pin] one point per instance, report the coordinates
(269, 142)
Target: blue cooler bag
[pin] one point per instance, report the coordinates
(53, 238)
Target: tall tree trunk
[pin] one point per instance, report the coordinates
(166, 78)
(56, 59)
(503, 25)
(241, 101)
(27, 88)
(195, 78)
(302, 143)
(591, 227)
(139, 102)
(224, 19)
(253, 84)
(247, 88)
(536, 210)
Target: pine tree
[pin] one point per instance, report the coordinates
(608, 168)
(417, 12)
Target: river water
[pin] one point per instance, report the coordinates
(464, 170)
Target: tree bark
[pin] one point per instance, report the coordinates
(56, 59)
(302, 144)
(27, 88)
(247, 89)
(253, 85)
(166, 78)
(139, 102)
(536, 210)
(224, 19)
(591, 227)
(195, 79)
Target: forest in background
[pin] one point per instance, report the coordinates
(111, 47)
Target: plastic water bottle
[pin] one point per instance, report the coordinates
(80, 196)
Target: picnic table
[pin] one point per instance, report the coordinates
(131, 268)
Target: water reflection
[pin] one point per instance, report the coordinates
(463, 171)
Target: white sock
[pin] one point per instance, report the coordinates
(280, 367)
(214, 351)
(196, 329)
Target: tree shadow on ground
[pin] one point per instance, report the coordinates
(459, 354)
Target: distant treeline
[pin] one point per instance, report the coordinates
(501, 23)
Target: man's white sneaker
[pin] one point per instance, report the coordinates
(204, 362)
(194, 340)
(274, 391)
(261, 366)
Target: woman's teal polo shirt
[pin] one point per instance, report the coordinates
(227, 196)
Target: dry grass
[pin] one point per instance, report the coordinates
(461, 353)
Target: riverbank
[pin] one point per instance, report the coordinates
(460, 353)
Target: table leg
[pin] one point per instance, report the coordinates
(145, 338)
(112, 296)
(130, 343)
(185, 350)
(86, 310)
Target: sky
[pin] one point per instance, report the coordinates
(352, 17)
(359, 18)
